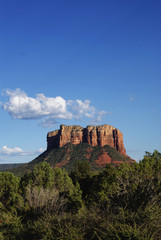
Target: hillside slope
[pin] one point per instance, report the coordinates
(67, 156)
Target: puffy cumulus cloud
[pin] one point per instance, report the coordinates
(48, 109)
(16, 151)
(21, 106)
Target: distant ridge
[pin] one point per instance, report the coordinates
(9, 165)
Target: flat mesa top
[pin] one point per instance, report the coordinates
(89, 126)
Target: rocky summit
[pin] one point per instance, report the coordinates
(93, 135)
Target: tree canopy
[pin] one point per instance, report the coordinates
(116, 203)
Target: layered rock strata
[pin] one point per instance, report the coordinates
(93, 135)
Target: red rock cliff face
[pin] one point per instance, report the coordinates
(93, 135)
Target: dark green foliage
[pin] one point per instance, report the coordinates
(104, 185)
(83, 175)
(42, 175)
(122, 203)
(53, 186)
(9, 196)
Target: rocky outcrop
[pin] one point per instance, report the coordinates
(93, 135)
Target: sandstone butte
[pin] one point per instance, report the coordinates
(94, 135)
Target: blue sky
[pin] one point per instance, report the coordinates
(79, 62)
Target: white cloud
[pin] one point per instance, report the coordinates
(16, 151)
(48, 109)
(21, 106)
(11, 151)
(80, 108)
(98, 118)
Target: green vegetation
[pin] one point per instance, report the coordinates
(68, 155)
(118, 203)
(9, 165)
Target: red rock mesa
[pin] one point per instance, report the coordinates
(93, 135)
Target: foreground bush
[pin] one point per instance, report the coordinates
(117, 203)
